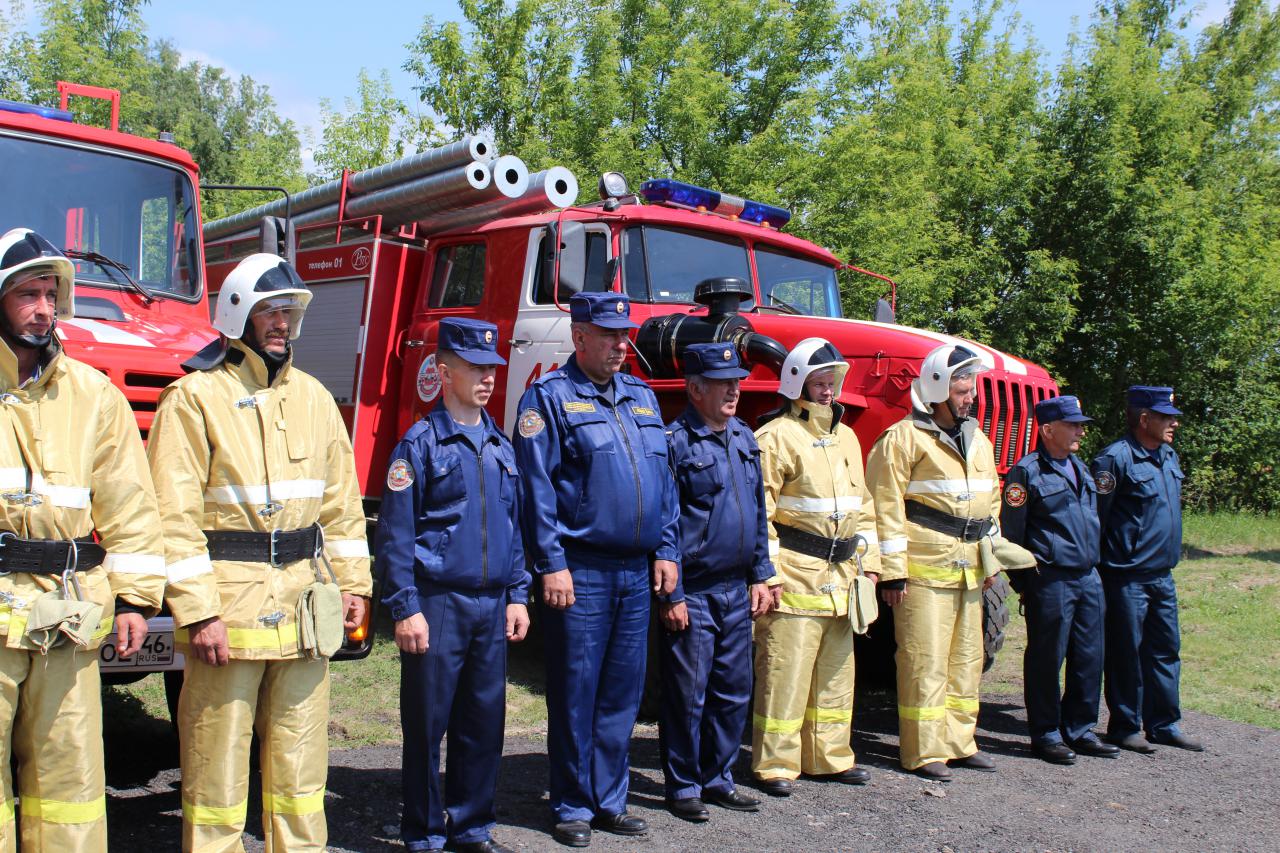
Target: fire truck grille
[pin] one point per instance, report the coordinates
(1007, 414)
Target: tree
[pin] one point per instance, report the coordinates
(375, 128)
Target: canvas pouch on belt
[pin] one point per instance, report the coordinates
(320, 611)
(863, 609)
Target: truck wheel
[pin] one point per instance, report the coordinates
(995, 619)
(172, 690)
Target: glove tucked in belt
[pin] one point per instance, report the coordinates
(276, 548)
(967, 529)
(48, 556)
(812, 545)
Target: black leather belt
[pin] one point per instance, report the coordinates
(967, 529)
(48, 556)
(276, 548)
(812, 545)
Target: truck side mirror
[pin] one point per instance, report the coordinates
(571, 248)
(275, 237)
(884, 312)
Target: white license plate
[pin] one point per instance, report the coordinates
(156, 651)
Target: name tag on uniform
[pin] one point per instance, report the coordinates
(572, 406)
(643, 410)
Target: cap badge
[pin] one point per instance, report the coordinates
(488, 336)
(728, 354)
(620, 307)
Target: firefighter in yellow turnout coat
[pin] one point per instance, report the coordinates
(817, 503)
(933, 475)
(71, 463)
(255, 475)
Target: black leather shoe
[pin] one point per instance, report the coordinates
(977, 761)
(1056, 753)
(776, 787)
(1095, 748)
(691, 809)
(488, 846)
(852, 776)
(735, 800)
(934, 771)
(572, 833)
(1134, 743)
(621, 824)
(1181, 741)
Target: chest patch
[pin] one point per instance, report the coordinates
(1106, 482)
(572, 406)
(643, 410)
(1015, 494)
(399, 476)
(530, 423)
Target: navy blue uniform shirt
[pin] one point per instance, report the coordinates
(1042, 511)
(448, 516)
(1140, 506)
(594, 470)
(722, 515)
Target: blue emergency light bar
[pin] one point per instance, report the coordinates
(679, 194)
(32, 109)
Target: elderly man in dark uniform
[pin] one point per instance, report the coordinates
(1140, 507)
(1050, 507)
(724, 549)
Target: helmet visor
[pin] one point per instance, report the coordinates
(291, 305)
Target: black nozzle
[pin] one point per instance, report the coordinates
(721, 295)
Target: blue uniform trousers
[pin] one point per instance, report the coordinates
(1142, 665)
(706, 684)
(1064, 609)
(459, 686)
(595, 656)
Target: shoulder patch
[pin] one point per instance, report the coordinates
(1106, 482)
(1015, 494)
(571, 406)
(644, 410)
(399, 476)
(531, 423)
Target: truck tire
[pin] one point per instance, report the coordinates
(995, 620)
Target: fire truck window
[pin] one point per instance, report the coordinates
(790, 282)
(597, 258)
(458, 279)
(665, 265)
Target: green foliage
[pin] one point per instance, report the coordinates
(375, 128)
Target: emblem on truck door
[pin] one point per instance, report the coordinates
(428, 379)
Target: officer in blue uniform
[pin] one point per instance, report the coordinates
(1140, 507)
(724, 563)
(452, 573)
(598, 513)
(1050, 507)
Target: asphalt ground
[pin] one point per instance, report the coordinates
(1226, 798)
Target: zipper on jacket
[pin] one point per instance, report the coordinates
(635, 471)
(737, 498)
(484, 518)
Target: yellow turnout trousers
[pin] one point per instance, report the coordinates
(939, 659)
(803, 696)
(287, 703)
(51, 714)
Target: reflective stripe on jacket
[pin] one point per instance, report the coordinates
(914, 460)
(229, 452)
(72, 463)
(813, 481)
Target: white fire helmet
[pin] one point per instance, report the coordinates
(941, 366)
(260, 282)
(24, 254)
(810, 355)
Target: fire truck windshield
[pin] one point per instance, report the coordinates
(665, 265)
(139, 213)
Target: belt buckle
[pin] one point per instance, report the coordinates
(831, 552)
(965, 533)
(273, 549)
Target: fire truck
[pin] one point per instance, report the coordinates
(698, 266)
(127, 210)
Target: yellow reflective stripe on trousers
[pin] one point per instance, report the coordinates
(252, 638)
(775, 726)
(306, 804)
(955, 703)
(829, 715)
(58, 811)
(906, 712)
(806, 602)
(16, 623)
(215, 815)
(941, 573)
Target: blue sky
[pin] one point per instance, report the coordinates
(305, 51)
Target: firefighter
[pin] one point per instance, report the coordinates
(706, 647)
(1140, 507)
(72, 465)
(821, 513)
(599, 512)
(933, 475)
(1050, 506)
(452, 573)
(256, 481)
